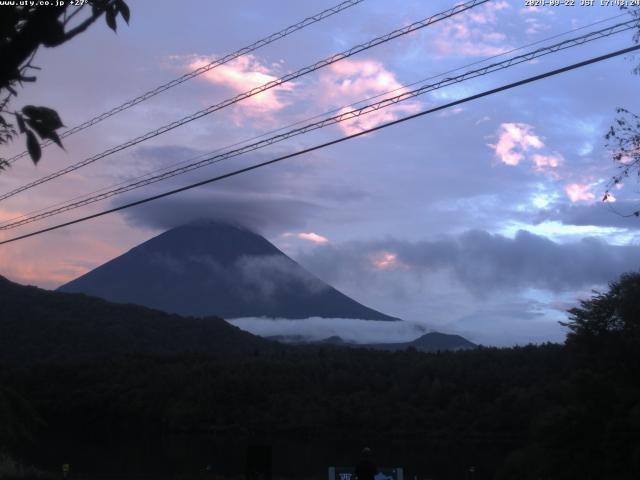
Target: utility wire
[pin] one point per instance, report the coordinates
(272, 84)
(199, 71)
(332, 142)
(299, 122)
(321, 115)
(345, 116)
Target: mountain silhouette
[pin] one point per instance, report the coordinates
(38, 325)
(212, 268)
(429, 342)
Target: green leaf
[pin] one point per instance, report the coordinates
(123, 8)
(33, 147)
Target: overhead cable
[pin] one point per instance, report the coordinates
(342, 117)
(330, 143)
(199, 71)
(254, 91)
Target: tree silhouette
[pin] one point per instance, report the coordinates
(604, 332)
(23, 30)
(623, 138)
(616, 312)
(18, 418)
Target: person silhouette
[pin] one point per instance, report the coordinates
(366, 469)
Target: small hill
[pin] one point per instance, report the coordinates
(39, 325)
(211, 268)
(430, 342)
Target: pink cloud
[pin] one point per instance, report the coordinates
(473, 34)
(49, 261)
(536, 11)
(542, 161)
(546, 163)
(309, 237)
(488, 14)
(630, 156)
(385, 261)
(351, 80)
(497, 6)
(371, 120)
(579, 192)
(535, 26)
(7, 215)
(514, 140)
(243, 74)
(313, 237)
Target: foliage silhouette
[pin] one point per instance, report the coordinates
(623, 137)
(548, 411)
(23, 30)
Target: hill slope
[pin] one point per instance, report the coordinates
(429, 342)
(211, 268)
(39, 325)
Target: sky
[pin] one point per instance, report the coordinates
(484, 219)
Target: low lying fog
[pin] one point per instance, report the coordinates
(349, 329)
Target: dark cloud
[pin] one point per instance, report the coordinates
(273, 199)
(484, 262)
(598, 214)
(258, 212)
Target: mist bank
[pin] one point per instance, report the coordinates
(315, 329)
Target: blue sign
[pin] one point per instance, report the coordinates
(347, 473)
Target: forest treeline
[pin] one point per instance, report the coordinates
(535, 412)
(40, 326)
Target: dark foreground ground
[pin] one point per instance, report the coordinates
(549, 411)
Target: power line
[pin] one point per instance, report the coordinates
(199, 71)
(546, 39)
(332, 142)
(272, 84)
(345, 116)
(299, 122)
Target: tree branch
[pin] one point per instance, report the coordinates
(68, 35)
(68, 19)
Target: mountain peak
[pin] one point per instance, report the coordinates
(217, 268)
(225, 242)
